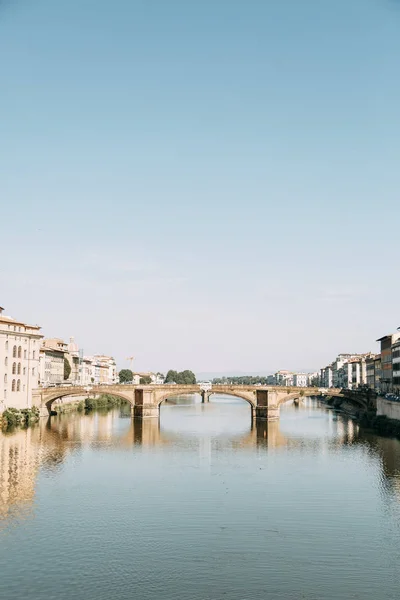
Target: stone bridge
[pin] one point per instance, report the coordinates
(145, 400)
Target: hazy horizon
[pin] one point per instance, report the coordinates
(210, 186)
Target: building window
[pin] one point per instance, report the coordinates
(5, 394)
(15, 328)
(24, 371)
(19, 369)
(34, 355)
(13, 385)
(6, 345)
(5, 378)
(33, 371)
(19, 351)
(18, 385)
(6, 361)
(25, 354)
(14, 368)
(23, 388)
(14, 351)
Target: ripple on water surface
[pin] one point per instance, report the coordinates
(201, 505)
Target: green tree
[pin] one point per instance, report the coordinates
(187, 377)
(67, 368)
(184, 377)
(242, 380)
(145, 380)
(171, 377)
(125, 376)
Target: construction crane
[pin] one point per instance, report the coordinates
(131, 359)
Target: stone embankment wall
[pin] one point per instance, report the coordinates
(388, 409)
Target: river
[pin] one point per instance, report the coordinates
(200, 506)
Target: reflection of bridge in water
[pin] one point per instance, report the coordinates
(48, 444)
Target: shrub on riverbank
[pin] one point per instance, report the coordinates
(12, 417)
(103, 401)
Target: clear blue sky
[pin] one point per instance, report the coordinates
(202, 184)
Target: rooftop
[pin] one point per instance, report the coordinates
(11, 320)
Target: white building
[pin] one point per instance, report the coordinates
(283, 378)
(98, 369)
(337, 365)
(51, 361)
(313, 378)
(86, 371)
(326, 377)
(156, 378)
(19, 362)
(300, 379)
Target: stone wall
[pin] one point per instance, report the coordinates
(389, 409)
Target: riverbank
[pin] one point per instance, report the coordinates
(13, 417)
(379, 423)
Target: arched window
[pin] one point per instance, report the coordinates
(7, 345)
(13, 385)
(24, 353)
(19, 351)
(19, 369)
(14, 351)
(14, 368)
(6, 361)
(18, 385)
(5, 378)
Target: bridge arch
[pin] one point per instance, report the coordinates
(240, 395)
(288, 397)
(183, 391)
(178, 391)
(49, 397)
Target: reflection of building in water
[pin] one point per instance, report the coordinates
(49, 444)
(18, 467)
(388, 451)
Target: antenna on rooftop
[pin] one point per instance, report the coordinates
(131, 359)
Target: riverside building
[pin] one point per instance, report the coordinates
(19, 362)
(51, 361)
(387, 375)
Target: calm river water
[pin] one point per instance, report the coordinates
(199, 507)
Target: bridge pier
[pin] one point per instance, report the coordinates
(266, 413)
(205, 396)
(267, 408)
(145, 406)
(43, 410)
